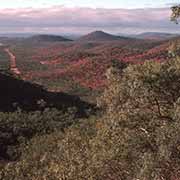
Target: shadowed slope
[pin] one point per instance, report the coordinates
(15, 92)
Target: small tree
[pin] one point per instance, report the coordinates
(175, 13)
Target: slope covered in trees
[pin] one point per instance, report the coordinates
(136, 138)
(46, 38)
(61, 66)
(27, 110)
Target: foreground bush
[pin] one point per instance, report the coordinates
(19, 127)
(138, 137)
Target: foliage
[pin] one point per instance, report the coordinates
(19, 127)
(137, 138)
(61, 66)
(142, 106)
(175, 13)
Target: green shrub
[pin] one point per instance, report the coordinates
(142, 117)
(19, 127)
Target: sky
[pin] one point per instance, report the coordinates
(86, 3)
(83, 16)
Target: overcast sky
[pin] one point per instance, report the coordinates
(83, 16)
(86, 3)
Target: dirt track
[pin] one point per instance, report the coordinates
(13, 66)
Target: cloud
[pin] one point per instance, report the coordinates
(60, 19)
(171, 4)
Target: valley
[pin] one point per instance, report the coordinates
(78, 67)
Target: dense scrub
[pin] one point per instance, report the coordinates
(19, 127)
(137, 137)
(28, 109)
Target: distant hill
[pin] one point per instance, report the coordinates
(100, 36)
(156, 35)
(46, 38)
(33, 40)
(16, 35)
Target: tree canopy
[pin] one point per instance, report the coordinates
(175, 13)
